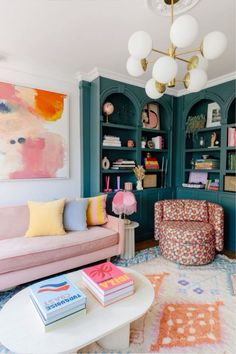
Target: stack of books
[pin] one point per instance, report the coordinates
(231, 161)
(207, 164)
(110, 140)
(151, 163)
(121, 164)
(107, 283)
(57, 299)
(213, 184)
(231, 136)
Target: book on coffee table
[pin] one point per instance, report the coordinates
(107, 282)
(56, 298)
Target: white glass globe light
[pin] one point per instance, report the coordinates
(140, 44)
(213, 45)
(197, 80)
(134, 67)
(164, 69)
(198, 62)
(151, 89)
(183, 31)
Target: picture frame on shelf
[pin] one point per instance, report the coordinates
(151, 116)
(213, 115)
(230, 183)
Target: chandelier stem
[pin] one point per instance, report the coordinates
(159, 51)
(172, 11)
(189, 51)
(186, 61)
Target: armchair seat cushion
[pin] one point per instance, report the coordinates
(187, 232)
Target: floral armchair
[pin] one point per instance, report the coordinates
(189, 231)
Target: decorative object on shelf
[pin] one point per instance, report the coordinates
(198, 177)
(130, 143)
(105, 163)
(151, 116)
(230, 183)
(194, 123)
(139, 174)
(143, 142)
(213, 115)
(150, 181)
(107, 110)
(202, 142)
(107, 180)
(158, 142)
(117, 184)
(213, 140)
(128, 186)
(205, 157)
(110, 140)
(183, 32)
(124, 202)
(150, 144)
(192, 163)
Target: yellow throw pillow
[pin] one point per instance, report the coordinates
(46, 219)
(96, 211)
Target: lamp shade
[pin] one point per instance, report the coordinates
(140, 44)
(198, 62)
(195, 80)
(124, 202)
(183, 31)
(134, 66)
(164, 69)
(151, 89)
(213, 45)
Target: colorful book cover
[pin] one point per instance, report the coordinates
(107, 277)
(55, 295)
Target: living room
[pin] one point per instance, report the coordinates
(118, 135)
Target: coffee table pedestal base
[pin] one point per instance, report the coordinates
(116, 340)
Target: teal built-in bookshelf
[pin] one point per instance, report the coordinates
(174, 157)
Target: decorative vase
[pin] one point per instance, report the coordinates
(139, 186)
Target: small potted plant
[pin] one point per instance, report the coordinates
(143, 142)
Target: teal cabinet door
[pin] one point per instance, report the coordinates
(228, 202)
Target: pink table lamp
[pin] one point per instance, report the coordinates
(124, 202)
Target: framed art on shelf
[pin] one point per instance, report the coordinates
(34, 133)
(213, 115)
(151, 116)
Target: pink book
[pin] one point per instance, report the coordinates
(106, 277)
(231, 136)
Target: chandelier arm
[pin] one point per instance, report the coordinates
(172, 11)
(159, 51)
(189, 51)
(186, 61)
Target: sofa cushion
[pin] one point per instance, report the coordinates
(74, 217)
(96, 211)
(14, 221)
(173, 210)
(21, 253)
(195, 210)
(187, 232)
(46, 218)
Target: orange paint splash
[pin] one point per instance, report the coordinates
(49, 105)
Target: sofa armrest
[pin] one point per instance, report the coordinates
(158, 217)
(216, 219)
(118, 225)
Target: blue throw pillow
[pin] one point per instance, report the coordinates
(75, 215)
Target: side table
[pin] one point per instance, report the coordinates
(129, 248)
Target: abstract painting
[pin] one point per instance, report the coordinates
(34, 128)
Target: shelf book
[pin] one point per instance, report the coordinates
(56, 299)
(107, 282)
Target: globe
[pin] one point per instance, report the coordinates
(108, 108)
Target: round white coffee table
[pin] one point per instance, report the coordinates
(22, 332)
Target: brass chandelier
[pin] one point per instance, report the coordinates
(183, 32)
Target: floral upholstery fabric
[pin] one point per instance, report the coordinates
(173, 210)
(216, 218)
(195, 210)
(189, 242)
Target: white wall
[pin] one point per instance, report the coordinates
(19, 191)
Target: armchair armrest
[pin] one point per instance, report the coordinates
(216, 219)
(118, 225)
(158, 217)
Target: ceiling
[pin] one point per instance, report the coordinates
(63, 37)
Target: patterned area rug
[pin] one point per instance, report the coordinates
(193, 310)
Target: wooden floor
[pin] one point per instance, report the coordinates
(151, 243)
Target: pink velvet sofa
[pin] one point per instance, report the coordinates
(25, 259)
